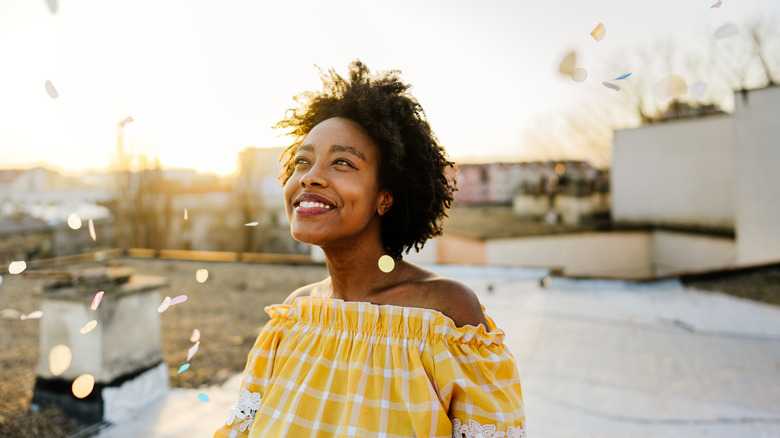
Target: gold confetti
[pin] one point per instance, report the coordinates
(74, 221)
(60, 357)
(599, 32)
(579, 74)
(83, 385)
(202, 275)
(386, 263)
(17, 267)
(96, 300)
(51, 91)
(88, 327)
(195, 336)
(165, 304)
(568, 63)
(92, 230)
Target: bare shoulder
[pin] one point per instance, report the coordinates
(304, 291)
(455, 300)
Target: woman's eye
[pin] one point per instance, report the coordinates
(300, 160)
(342, 162)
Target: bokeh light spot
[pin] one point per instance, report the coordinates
(60, 357)
(202, 275)
(579, 74)
(88, 327)
(83, 385)
(74, 221)
(17, 267)
(386, 263)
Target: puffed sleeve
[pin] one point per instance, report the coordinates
(257, 374)
(478, 381)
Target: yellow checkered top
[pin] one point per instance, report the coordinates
(324, 367)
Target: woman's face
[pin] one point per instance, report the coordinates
(333, 195)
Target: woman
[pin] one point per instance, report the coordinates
(381, 347)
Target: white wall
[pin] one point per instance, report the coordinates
(677, 172)
(757, 153)
(608, 254)
(675, 253)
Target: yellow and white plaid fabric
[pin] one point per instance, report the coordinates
(332, 368)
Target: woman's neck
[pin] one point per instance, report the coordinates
(355, 274)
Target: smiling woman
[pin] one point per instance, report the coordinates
(381, 347)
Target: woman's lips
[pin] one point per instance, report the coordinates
(312, 208)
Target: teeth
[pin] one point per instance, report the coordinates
(311, 204)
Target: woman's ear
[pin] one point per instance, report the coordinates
(385, 202)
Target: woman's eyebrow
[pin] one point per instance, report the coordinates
(335, 148)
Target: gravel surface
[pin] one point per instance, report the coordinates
(227, 310)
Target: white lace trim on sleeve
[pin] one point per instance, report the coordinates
(476, 430)
(245, 409)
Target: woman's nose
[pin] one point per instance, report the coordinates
(314, 177)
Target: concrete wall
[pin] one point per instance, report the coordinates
(610, 254)
(757, 162)
(675, 252)
(677, 172)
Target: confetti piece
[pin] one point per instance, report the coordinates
(60, 357)
(96, 300)
(51, 91)
(1, 279)
(35, 314)
(621, 77)
(567, 63)
(579, 74)
(671, 87)
(185, 214)
(195, 336)
(74, 221)
(193, 350)
(204, 398)
(599, 32)
(252, 224)
(83, 385)
(386, 263)
(717, 4)
(88, 327)
(699, 89)
(183, 368)
(202, 275)
(17, 267)
(92, 230)
(165, 304)
(725, 31)
(609, 84)
(52, 4)
(179, 299)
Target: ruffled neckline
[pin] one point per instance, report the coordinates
(388, 319)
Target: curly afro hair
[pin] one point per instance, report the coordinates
(412, 164)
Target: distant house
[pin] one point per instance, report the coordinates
(692, 194)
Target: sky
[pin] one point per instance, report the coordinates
(203, 80)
